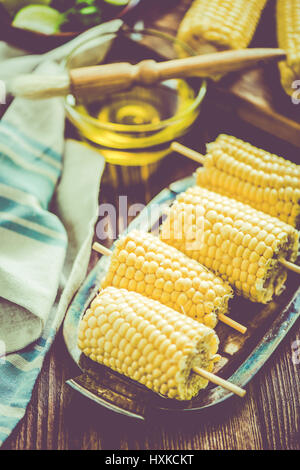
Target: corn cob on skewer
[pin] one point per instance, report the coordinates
(239, 243)
(142, 263)
(288, 34)
(178, 306)
(251, 175)
(148, 342)
(213, 25)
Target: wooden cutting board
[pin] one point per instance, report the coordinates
(255, 96)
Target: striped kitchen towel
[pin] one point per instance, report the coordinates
(48, 208)
(31, 152)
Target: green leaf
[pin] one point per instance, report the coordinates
(91, 10)
(117, 2)
(12, 6)
(39, 18)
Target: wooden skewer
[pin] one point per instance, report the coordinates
(223, 318)
(202, 372)
(101, 249)
(291, 266)
(198, 157)
(228, 321)
(86, 83)
(233, 324)
(187, 152)
(219, 381)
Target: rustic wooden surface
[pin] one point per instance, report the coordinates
(267, 418)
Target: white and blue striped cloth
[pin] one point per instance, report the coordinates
(48, 208)
(37, 255)
(33, 245)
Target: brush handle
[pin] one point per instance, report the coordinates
(217, 63)
(88, 81)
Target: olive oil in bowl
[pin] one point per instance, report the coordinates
(135, 127)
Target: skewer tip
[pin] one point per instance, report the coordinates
(187, 152)
(232, 323)
(289, 265)
(219, 381)
(101, 249)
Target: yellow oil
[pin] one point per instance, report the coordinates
(135, 127)
(133, 112)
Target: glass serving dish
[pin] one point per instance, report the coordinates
(135, 127)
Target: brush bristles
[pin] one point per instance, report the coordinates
(40, 86)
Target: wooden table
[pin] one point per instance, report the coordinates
(267, 418)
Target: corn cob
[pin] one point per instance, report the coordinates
(239, 243)
(265, 181)
(288, 34)
(141, 262)
(148, 342)
(211, 25)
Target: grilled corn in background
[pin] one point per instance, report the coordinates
(251, 175)
(288, 34)
(214, 25)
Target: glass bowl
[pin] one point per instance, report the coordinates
(135, 127)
